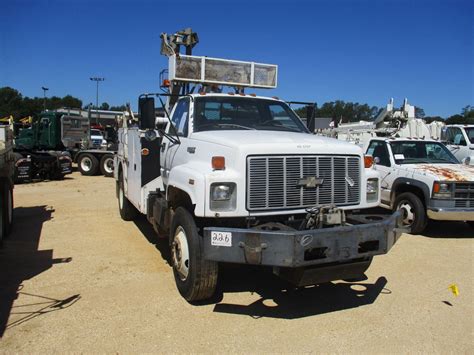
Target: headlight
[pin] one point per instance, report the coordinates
(220, 192)
(441, 190)
(223, 196)
(372, 190)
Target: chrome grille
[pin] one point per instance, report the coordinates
(464, 194)
(272, 181)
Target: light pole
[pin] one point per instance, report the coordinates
(44, 97)
(97, 80)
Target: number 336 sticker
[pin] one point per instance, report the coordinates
(222, 239)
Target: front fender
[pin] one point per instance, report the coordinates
(192, 182)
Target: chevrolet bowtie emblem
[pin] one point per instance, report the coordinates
(310, 182)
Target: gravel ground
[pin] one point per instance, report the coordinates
(76, 278)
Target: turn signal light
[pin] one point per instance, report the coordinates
(368, 161)
(218, 163)
(436, 187)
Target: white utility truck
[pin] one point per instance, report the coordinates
(7, 168)
(459, 139)
(419, 176)
(238, 178)
(423, 180)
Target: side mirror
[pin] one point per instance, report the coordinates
(146, 111)
(376, 160)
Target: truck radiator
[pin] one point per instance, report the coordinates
(279, 182)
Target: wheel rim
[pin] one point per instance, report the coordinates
(180, 251)
(86, 164)
(109, 165)
(121, 197)
(408, 214)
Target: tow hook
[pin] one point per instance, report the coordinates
(253, 249)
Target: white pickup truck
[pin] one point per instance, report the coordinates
(239, 179)
(423, 180)
(460, 141)
(7, 167)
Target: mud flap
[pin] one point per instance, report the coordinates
(23, 168)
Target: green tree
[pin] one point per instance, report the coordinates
(104, 106)
(71, 102)
(419, 112)
(10, 102)
(120, 108)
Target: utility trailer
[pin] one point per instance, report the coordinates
(237, 178)
(7, 164)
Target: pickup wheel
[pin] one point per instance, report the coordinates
(413, 212)
(107, 165)
(128, 212)
(195, 277)
(88, 164)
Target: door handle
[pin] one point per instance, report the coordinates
(163, 147)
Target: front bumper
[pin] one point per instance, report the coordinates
(303, 248)
(450, 214)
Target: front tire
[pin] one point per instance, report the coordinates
(195, 277)
(413, 212)
(88, 164)
(107, 165)
(128, 212)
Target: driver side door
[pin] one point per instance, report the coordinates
(177, 127)
(379, 151)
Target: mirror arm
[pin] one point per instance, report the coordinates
(171, 123)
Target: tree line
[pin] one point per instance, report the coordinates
(13, 103)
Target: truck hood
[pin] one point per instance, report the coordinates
(276, 142)
(446, 172)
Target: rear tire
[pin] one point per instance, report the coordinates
(8, 210)
(195, 277)
(107, 165)
(413, 212)
(88, 164)
(128, 212)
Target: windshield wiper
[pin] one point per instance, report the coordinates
(234, 125)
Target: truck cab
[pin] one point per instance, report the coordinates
(460, 141)
(423, 180)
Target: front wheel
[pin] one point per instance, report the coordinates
(195, 277)
(107, 165)
(413, 212)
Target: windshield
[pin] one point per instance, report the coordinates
(470, 134)
(96, 132)
(244, 113)
(421, 152)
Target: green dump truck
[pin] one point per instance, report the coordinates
(55, 140)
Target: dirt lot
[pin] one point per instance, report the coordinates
(76, 278)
